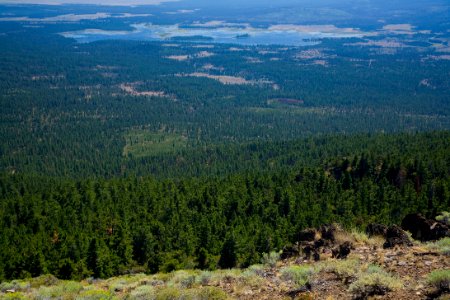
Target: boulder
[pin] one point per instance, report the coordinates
(424, 229)
(396, 236)
(328, 232)
(289, 251)
(306, 235)
(376, 229)
(319, 243)
(342, 251)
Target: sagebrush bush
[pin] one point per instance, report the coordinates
(143, 292)
(210, 293)
(442, 246)
(300, 275)
(345, 270)
(13, 296)
(374, 281)
(270, 259)
(94, 294)
(16, 285)
(440, 279)
(64, 290)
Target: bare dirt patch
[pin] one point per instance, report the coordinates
(130, 88)
(204, 54)
(178, 57)
(228, 80)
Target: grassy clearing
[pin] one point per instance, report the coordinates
(141, 143)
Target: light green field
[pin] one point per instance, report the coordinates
(141, 143)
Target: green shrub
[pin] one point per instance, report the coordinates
(210, 293)
(13, 296)
(204, 278)
(270, 259)
(444, 217)
(144, 292)
(44, 280)
(254, 270)
(94, 295)
(375, 281)
(343, 269)
(183, 279)
(16, 285)
(300, 275)
(169, 293)
(442, 246)
(64, 290)
(440, 279)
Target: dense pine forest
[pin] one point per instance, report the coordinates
(124, 156)
(101, 228)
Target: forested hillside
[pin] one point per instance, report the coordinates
(97, 227)
(128, 145)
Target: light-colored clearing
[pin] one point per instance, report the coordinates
(381, 43)
(178, 57)
(204, 54)
(203, 46)
(130, 89)
(253, 60)
(315, 29)
(231, 80)
(212, 67)
(309, 54)
(398, 27)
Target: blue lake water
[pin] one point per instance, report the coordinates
(229, 35)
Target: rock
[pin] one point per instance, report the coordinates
(342, 251)
(307, 250)
(319, 243)
(306, 235)
(424, 229)
(327, 232)
(316, 256)
(376, 229)
(396, 236)
(289, 251)
(293, 293)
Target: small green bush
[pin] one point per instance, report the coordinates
(210, 293)
(169, 293)
(144, 292)
(13, 296)
(183, 279)
(444, 217)
(254, 270)
(442, 246)
(375, 281)
(43, 280)
(270, 259)
(345, 270)
(300, 275)
(94, 295)
(204, 278)
(440, 279)
(64, 290)
(16, 285)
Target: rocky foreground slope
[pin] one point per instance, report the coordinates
(325, 263)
